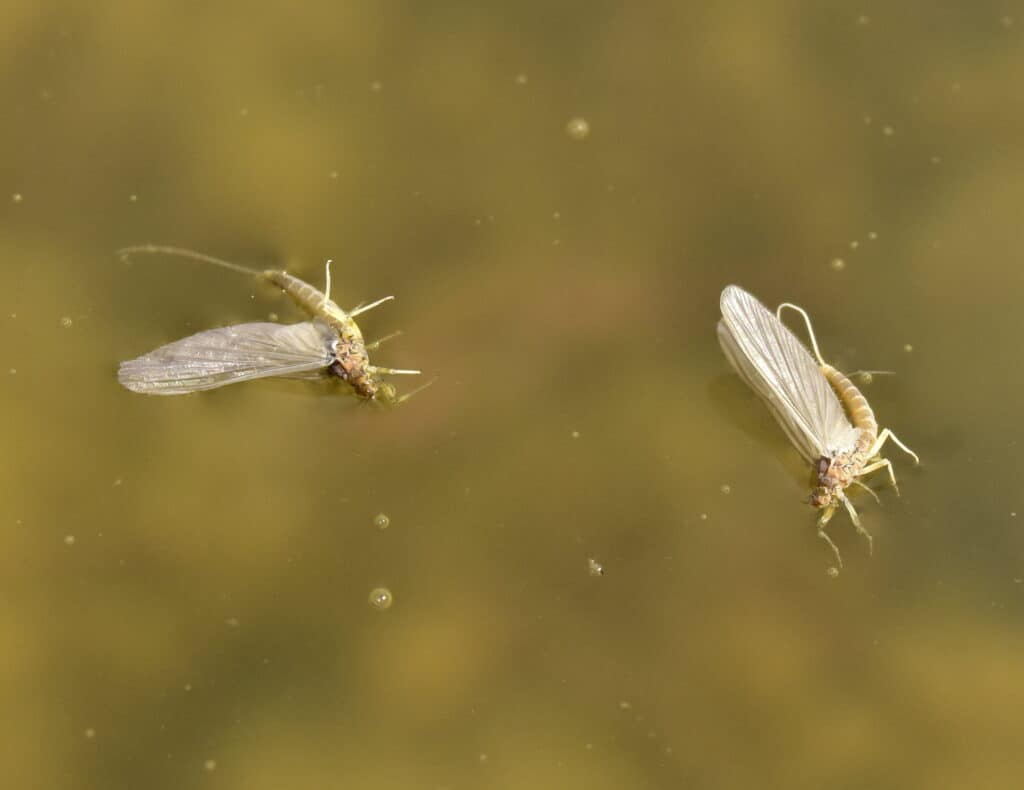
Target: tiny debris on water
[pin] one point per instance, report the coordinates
(832, 571)
(66, 322)
(908, 348)
(69, 540)
(578, 129)
(381, 598)
(17, 197)
(90, 732)
(726, 488)
(838, 264)
(381, 521)
(210, 765)
(595, 568)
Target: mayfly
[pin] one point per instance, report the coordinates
(822, 412)
(331, 344)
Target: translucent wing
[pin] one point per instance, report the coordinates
(777, 366)
(231, 354)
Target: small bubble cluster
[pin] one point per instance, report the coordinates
(381, 598)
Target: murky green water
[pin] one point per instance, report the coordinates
(191, 587)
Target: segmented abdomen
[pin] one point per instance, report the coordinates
(856, 405)
(302, 293)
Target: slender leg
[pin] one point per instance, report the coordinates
(823, 519)
(858, 526)
(410, 393)
(807, 321)
(878, 465)
(377, 343)
(868, 489)
(393, 371)
(887, 434)
(363, 308)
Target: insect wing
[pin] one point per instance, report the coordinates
(780, 369)
(231, 354)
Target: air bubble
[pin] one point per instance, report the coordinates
(578, 129)
(381, 521)
(381, 598)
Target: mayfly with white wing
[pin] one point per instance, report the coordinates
(822, 412)
(329, 345)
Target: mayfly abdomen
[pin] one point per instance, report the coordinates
(302, 293)
(857, 407)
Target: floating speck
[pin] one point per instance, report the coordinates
(17, 197)
(625, 705)
(1006, 21)
(907, 347)
(483, 758)
(1013, 514)
(725, 488)
(888, 131)
(381, 521)
(90, 732)
(589, 747)
(13, 371)
(863, 19)
(578, 129)
(872, 235)
(133, 198)
(838, 264)
(556, 215)
(595, 568)
(244, 112)
(381, 598)
(866, 377)
(575, 434)
(66, 322)
(376, 86)
(210, 765)
(936, 160)
(69, 540)
(118, 482)
(703, 516)
(854, 244)
(521, 79)
(272, 316)
(832, 572)
(232, 622)
(867, 120)
(333, 175)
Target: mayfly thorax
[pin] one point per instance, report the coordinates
(330, 344)
(824, 414)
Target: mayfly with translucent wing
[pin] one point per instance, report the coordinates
(822, 412)
(331, 344)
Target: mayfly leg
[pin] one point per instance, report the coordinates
(887, 434)
(393, 371)
(366, 307)
(807, 321)
(380, 341)
(858, 526)
(878, 465)
(823, 520)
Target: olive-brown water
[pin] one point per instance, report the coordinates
(186, 581)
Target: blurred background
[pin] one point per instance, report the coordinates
(556, 193)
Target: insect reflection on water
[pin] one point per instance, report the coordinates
(329, 345)
(824, 414)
